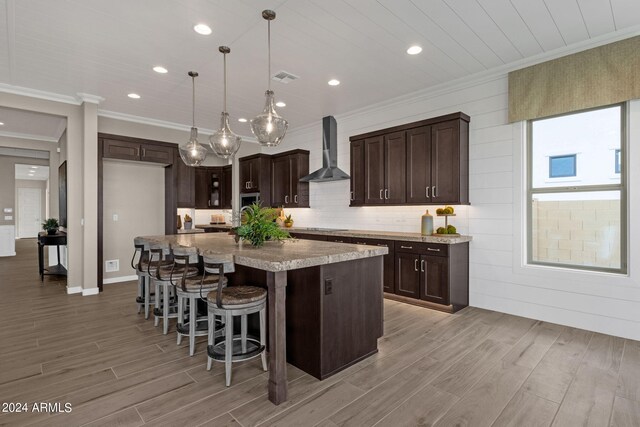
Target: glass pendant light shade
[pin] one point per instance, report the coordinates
(224, 142)
(191, 152)
(268, 127)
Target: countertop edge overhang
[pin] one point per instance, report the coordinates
(273, 256)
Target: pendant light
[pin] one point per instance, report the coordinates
(224, 142)
(192, 153)
(268, 127)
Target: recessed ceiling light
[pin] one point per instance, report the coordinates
(280, 104)
(203, 29)
(133, 96)
(333, 82)
(242, 120)
(34, 167)
(160, 70)
(1, 124)
(414, 50)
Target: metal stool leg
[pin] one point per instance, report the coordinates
(193, 322)
(228, 349)
(263, 337)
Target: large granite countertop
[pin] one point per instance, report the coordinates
(273, 256)
(367, 234)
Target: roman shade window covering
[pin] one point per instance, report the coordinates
(596, 77)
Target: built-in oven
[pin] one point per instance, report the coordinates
(247, 199)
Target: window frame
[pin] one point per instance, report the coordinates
(621, 187)
(617, 161)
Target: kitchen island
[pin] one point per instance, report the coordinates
(331, 293)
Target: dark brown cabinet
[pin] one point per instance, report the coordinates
(434, 280)
(255, 176)
(185, 184)
(425, 162)
(389, 260)
(407, 274)
(227, 187)
(286, 171)
(357, 173)
(156, 154)
(135, 151)
(209, 188)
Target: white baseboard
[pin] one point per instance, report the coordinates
(8, 254)
(74, 290)
(90, 291)
(120, 279)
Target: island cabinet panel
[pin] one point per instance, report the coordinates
(374, 171)
(227, 187)
(419, 165)
(334, 313)
(425, 162)
(357, 173)
(185, 184)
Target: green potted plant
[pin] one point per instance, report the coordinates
(288, 222)
(259, 226)
(51, 225)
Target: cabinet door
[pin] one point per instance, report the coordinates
(300, 190)
(227, 187)
(407, 274)
(245, 176)
(186, 184)
(281, 181)
(114, 149)
(445, 162)
(395, 167)
(254, 175)
(203, 191)
(215, 187)
(374, 171)
(156, 154)
(435, 279)
(419, 165)
(357, 173)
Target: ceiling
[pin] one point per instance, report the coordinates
(31, 125)
(108, 49)
(32, 172)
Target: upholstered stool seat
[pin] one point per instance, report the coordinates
(229, 302)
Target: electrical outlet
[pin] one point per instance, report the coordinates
(328, 286)
(112, 265)
(115, 217)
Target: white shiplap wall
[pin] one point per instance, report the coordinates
(498, 279)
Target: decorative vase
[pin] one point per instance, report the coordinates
(427, 224)
(52, 231)
(179, 222)
(288, 224)
(187, 225)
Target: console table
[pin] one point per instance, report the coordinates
(44, 239)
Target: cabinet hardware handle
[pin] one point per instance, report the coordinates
(295, 198)
(415, 264)
(422, 265)
(427, 192)
(433, 191)
(386, 193)
(208, 202)
(286, 199)
(433, 250)
(352, 196)
(406, 247)
(144, 152)
(381, 194)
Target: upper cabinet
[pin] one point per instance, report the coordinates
(185, 185)
(425, 162)
(130, 149)
(227, 187)
(286, 171)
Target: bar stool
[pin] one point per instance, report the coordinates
(188, 291)
(166, 307)
(143, 269)
(229, 302)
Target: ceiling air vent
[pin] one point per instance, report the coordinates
(284, 77)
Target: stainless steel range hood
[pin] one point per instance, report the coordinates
(329, 170)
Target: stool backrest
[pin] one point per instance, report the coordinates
(158, 252)
(219, 264)
(141, 249)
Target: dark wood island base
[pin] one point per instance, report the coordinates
(334, 314)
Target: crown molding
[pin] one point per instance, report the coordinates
(40, 94)
(32, 137)
(87, 97)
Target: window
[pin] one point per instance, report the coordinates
(562, 166)
(581, 223)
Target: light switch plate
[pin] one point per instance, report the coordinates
(115, 217)
(8, 218)
(8, 210)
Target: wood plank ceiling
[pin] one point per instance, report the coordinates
(108, 48)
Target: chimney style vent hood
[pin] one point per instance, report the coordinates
(329, 170)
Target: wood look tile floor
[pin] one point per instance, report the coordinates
(475, 368)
